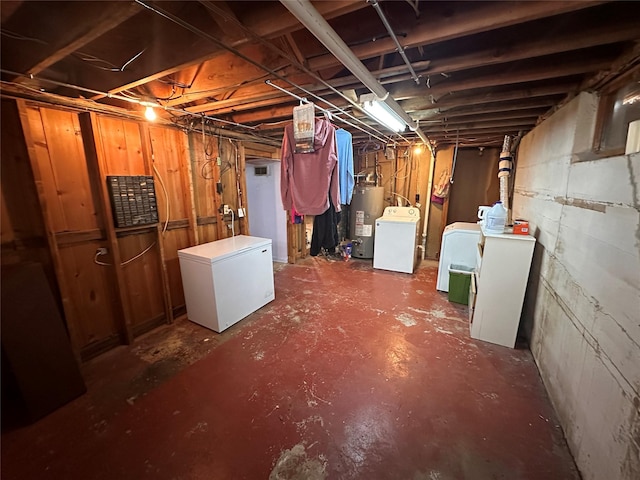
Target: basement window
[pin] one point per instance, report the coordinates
(619, 106)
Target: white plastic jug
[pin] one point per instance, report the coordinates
(496, 218)
(482, 211)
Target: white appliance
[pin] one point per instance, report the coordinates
(498, 286)
(458, 247)
(396, 240)
(226, 280)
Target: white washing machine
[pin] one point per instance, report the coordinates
(459, 246)
(396, 241)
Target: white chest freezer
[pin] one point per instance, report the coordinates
(226, 280)
(459, 246)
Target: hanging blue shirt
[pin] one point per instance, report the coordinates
(345, 165)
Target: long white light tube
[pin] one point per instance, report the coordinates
(382, 113)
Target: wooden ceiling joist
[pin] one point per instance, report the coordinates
(454, 21)
(487, 68)
(478, 98)
(271, 22)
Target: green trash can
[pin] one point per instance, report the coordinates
(459, 282)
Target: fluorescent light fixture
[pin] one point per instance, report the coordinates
(382, 113)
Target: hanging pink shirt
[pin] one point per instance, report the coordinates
(307, 179)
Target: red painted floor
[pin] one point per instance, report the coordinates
(351, 373)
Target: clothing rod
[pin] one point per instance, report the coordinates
(300, 66)
(324, 110)
(389, 139)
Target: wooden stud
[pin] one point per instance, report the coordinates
(188, 188)
(96, 164)
(244, 200)
(148, 156)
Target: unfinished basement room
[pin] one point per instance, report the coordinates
(320, 239)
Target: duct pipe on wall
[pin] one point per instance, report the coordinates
(306, 13)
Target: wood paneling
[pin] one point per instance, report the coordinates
(142, 277)
(70, 155)
(22, 230)
(66, 171)
(169, 150)
(51, 210)
(92, 310)
(207, 233)
(96, 164)
(175, 240)
(121, 146)
(205, 174)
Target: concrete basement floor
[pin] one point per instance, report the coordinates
(351, 373)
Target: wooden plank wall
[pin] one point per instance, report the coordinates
(22, 223)
(57, 204)
(404, 174)
(22, 231)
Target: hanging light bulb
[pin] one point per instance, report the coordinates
(417, 149)
(150, 113)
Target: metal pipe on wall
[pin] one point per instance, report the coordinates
(427, 209)
(306, 13)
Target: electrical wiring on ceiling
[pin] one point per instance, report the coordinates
(85, 57)
(112, 68)
(169, 16)
(293, 61)
(18, 36)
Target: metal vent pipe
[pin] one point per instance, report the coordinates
(306, 13)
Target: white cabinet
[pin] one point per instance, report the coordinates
(226, 280)
(498, 286)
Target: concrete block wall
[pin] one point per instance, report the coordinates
(582, 310)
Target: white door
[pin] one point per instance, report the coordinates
(267, 218)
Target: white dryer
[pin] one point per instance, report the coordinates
(396, 240)
(459, 246)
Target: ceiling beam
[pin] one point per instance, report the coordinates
(272, 113)
(478, 98)
(384, 76)
(508, 106)
(446, 24)
(269, 23)
(567, 41)
(505, 114)
(78, 35)
(295, 49)
(574, 66)
(244, 102)
(482, 129)
(571, 40)
(229, 74)
(230, 33)
(501, 111)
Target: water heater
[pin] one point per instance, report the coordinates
(366, 206)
